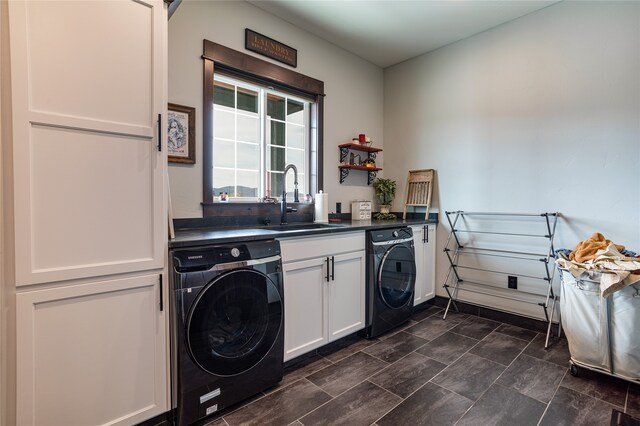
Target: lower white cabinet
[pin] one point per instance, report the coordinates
(92, 353)
(324, 290)
(424, 240)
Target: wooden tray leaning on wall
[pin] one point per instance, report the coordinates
(418, 190)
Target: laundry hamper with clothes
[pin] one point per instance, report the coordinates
(603, 333)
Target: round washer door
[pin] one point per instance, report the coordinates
(397, 276)
(234, 322)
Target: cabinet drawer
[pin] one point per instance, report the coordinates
(326, 245)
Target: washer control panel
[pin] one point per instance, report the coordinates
(390, 235)
(203, 258)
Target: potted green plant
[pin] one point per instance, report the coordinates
(385, 190)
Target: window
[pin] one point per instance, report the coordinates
(257, 118)
(257, 131)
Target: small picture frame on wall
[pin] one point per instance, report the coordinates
(181, 134)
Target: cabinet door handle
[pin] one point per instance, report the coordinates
(326, 277)
(333, 268)
(161, 297)
(426, 233)
(160, 132)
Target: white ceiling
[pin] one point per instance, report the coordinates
(386, 32)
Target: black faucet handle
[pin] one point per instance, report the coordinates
(266, 221)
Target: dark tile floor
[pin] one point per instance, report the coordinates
(464, 370)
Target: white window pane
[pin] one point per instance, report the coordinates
(274, 184)
(248, 156)
(224, 94)
(248, 128)
(297, 158)
(295, 111)
(223, 181)
(291, 186)
(295, 136)
(223, 153)
(223, 124)
(276, 159)
(248, 184)
(302, 188)
(275, 106)
(247, 99)
(275, 133)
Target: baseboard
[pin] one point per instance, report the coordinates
(496, 315)
(164, 419)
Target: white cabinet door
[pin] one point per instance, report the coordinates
(429, 288)
(305, 306)
(88, 82)
(418, 246)
(346, 294)
(424, 238)
(91, 354)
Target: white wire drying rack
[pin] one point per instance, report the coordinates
(457, 254)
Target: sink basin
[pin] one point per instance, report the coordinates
(300, 227)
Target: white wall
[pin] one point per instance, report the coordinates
(539, 114)
(353, 88)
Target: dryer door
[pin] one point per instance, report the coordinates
(397, 276)
(234, 322)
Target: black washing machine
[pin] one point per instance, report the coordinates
(227, 325)
(391, 279)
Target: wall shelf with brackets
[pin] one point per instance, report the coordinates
(346, 168)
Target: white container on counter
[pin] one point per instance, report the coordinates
(361, 210)
(321, 208)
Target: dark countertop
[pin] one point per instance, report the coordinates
(203, 236)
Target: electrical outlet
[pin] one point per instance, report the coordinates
(512, 282)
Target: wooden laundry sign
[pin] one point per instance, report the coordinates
(270, 48)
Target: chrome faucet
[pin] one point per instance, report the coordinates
(283, 202)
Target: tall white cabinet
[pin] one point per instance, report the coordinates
(424, 240)
(88, 86)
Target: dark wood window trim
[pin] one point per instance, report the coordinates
(229, 61)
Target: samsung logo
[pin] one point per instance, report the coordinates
(194, 257)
